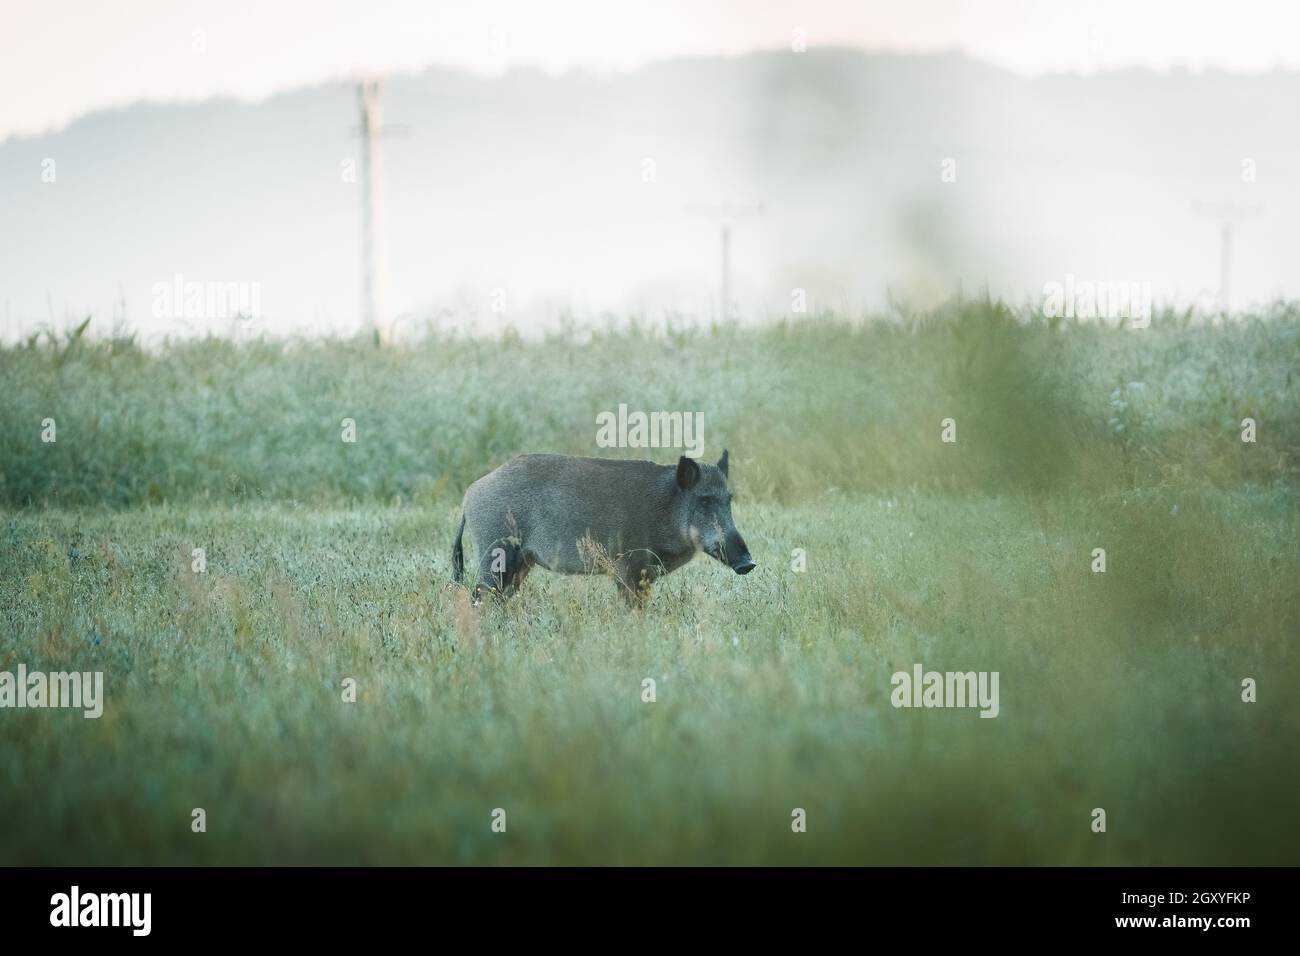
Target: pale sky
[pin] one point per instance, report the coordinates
(61, 59)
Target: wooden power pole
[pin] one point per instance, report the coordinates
(374, 307)
(1228, 214)
(725, 214)
(370, 99)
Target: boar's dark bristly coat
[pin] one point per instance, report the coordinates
(633, 519)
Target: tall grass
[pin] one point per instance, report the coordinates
(813, 405)
(1119, 691)
(328, 560)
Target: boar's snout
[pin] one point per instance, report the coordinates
(707, 510)
(743, 562)
(734, 554)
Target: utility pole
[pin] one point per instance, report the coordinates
(1228, 215)
(725, 214)
(370, 95)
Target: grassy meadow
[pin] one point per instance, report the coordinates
(328, 560)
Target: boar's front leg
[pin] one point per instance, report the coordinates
(502, 569)
(636, 574)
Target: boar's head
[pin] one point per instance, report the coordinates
(705, 509)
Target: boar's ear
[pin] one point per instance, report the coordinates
(722, 464)
(688, 473)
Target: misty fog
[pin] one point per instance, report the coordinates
(527, 200)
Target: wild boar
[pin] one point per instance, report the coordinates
(634, 519)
